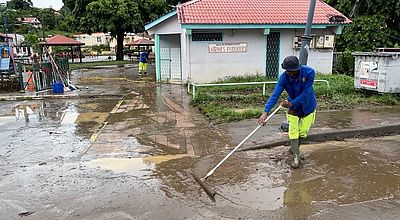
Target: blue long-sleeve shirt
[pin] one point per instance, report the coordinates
(300, 90)
(144, 56)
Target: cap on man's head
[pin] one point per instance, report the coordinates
(291, 63)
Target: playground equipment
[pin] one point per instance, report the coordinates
(8, 80)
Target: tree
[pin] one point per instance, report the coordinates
(175, 2)
(19, 4)
(115, 16)
(11, 16)
(375, 24)
(31, 40)
(48, 19)
(366, 34)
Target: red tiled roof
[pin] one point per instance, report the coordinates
(141, 42)
(253, 12)
(61, 41)
(29, 20)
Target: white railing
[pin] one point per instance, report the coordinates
(194, 85)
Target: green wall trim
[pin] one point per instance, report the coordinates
(158, 58)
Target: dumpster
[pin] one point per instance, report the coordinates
(377, 71)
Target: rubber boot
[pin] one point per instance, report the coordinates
(301, 140)
(295, 148)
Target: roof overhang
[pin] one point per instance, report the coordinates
(159, 20)
(60, 44)
(258, 26)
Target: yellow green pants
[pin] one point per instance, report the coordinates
(299, 127)
(142, 67)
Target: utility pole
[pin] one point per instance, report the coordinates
(306, 38)
(5, 21)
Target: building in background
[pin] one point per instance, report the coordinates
(31, 21)
(105, 39)
(206, 40)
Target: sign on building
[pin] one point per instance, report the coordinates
(227, 48)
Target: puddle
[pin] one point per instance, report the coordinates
(357, 118)
(6, 119)
(163, 158)
(345, 173)
(265, 198)
(133, 166)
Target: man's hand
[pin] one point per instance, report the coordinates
(286, 104)
(261, 120)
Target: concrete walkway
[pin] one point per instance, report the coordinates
(327, 122)
(167, 119)
(127, 156)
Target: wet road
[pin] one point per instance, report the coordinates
(129, 158)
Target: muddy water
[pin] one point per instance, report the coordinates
(129, 158)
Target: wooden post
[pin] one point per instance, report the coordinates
(72, 53)
(80, 53)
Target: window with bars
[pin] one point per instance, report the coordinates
(206, 36)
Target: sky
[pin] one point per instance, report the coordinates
(55, 4)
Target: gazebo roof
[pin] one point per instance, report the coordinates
(59, 40)
(141, 42)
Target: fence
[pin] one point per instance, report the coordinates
(194, 85)
(43, 74)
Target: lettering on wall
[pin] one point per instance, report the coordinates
(227, 48)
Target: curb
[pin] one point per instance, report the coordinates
(339, 135)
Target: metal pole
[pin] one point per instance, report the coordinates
(306, 38)
(5, 21)
(80, 54)
(194, 92)
(240, 144)
(21, 79)
(264, 89)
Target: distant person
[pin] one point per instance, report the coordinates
(143, 59)
(298, 81)
(35, 58)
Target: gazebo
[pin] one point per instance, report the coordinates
(140, 43)
(59, 40)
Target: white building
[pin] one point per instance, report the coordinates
(32, 21)
(97, 39)
(94, 39)
(204, 40)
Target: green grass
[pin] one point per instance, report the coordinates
(234, 103)
(75, 66)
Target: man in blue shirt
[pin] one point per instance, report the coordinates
(298, 82)
(143, 57)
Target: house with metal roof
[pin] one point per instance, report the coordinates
(31, 20)
(206, 40)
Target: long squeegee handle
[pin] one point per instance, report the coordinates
(244, 140)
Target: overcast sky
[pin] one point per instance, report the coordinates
(55, 4)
